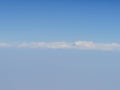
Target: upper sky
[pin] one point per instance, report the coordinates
(59, 20)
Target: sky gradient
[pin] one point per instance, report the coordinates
(59, 20)
(59, 44)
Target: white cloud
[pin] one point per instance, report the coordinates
(44, 45)
(4, 45)
(85, 45)
(97, 46)
(82, 45)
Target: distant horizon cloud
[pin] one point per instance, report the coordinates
(81, 45)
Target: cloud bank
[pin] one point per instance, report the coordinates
(81, 45)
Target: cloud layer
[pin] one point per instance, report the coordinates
(81, 45)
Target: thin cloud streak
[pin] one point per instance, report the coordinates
(81, 45)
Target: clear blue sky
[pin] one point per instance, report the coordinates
(57, 20)
(53, 21)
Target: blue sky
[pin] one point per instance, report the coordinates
(59, 20)
(59, 44)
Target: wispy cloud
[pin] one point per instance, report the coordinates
(81, 45)
(44, 45)
(4, 45)
(89, 45)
